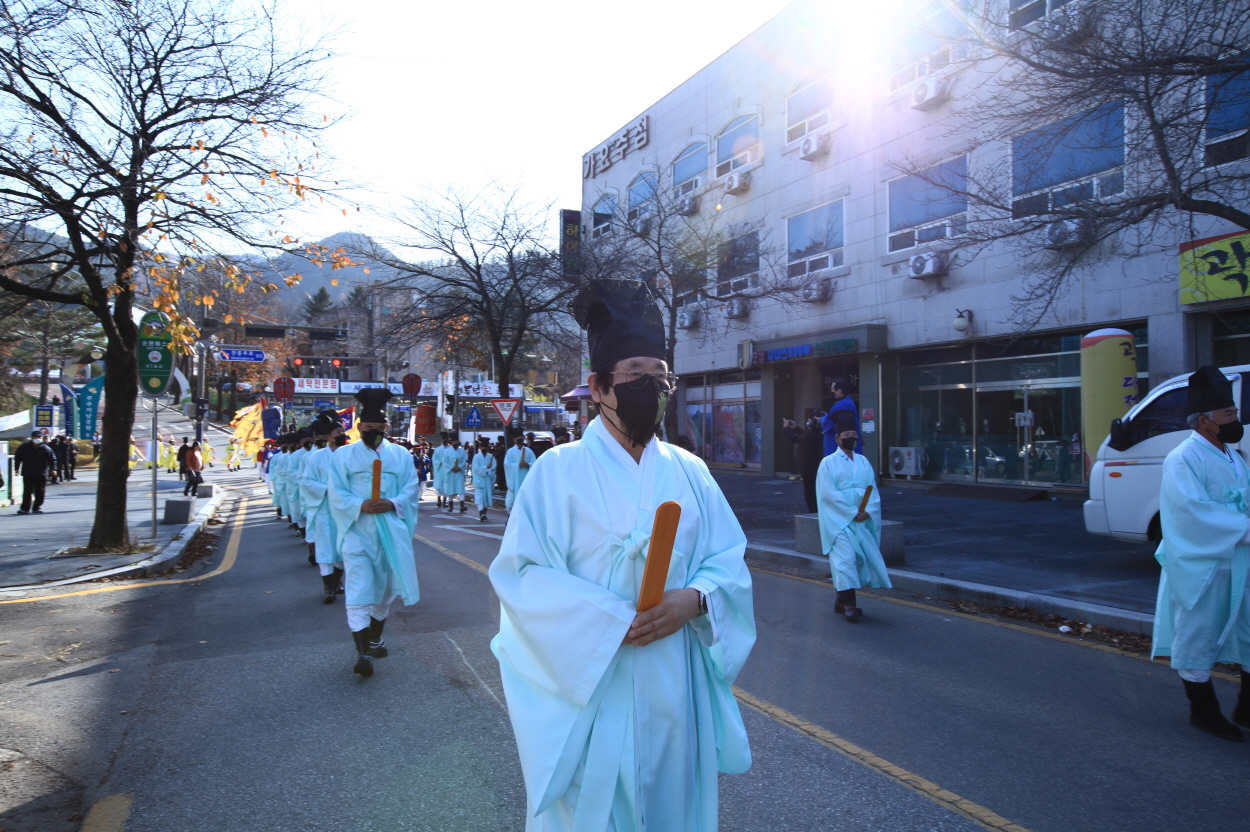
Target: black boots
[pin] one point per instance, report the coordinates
(1204, 711)
(312, 553)
(440, 500)
(377, 647)
(481, 515)
(845, 605)
(462, 507)
(338, 580)
(1241, 714)
(330, 584)
(364, 661)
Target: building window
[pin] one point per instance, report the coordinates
(929, 206)
(1228, 118)
(1024, 12)
(815, 240)
(808, 107)
(738, 144)
(641, 195)
(1073, 160)
(738, 264)
(690, 168)
(928, 44)
(603, 214)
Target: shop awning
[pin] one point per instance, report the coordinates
(576, 394)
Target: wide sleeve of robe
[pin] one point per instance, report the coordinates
(1203, 516)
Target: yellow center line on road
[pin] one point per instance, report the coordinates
(1007, 625)
(227, 563)
(926, 788)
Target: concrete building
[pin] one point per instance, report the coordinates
(797, 130)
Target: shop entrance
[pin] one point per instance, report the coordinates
(1029, 435)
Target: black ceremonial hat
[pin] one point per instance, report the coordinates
(327, 420)
(621, 319)
(373, 403)
(844, 420)
(304, 433)
(1209, 390)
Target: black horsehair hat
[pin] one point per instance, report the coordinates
(844, 420)
(1209, 390)
(373, 403)
(621, 319)
(326, 421)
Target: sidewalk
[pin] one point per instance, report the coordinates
(962, 548)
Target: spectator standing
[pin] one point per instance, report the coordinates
(34, 462)
(71, 459)
(195, 467)
(183, 450)
(810, 445)
(842, 401)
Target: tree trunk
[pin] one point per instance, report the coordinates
(44, 361)
(121, 389)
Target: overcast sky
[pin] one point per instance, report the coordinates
(460, 94)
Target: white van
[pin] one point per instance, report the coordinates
(1124, 482)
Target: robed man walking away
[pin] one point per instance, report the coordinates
(1202, 614)
(622, 719)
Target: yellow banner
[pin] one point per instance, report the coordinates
(248, 432)
(1216, 268)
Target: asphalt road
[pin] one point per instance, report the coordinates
(223, 698)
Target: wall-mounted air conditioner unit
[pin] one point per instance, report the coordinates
(814, 147)
(817, 291)
(737, 183)
(737, 308)
(929, 92)
(688, 206)
(926, 265)
(1064, 234)
(687, 318)
(641, 226)
(908, 462)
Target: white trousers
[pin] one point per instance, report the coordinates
(358, 615)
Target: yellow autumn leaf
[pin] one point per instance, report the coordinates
(334, 281)
(366, 271)
(207, 300)
(204, 179)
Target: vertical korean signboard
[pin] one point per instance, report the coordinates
(570, 240)
(156, 356)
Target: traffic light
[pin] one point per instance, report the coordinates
(336, 362)
(299, 362)
(201, 408)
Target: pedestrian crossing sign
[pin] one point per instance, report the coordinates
(474, 419)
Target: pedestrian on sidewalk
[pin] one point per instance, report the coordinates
(842, 403)
(60, 448)
(375, 536)
(71, 459)
(1202, 614)
(851, 538)
(195, 468)
(622, 717)
(183, 450)
(810, 450)
(34, 462)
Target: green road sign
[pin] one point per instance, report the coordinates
(156, 359)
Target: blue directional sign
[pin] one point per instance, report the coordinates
(474, 419)
(323, 404)
(240, 354)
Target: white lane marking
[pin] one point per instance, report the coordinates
(473, 670)
(471, 531)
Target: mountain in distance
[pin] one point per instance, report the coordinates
(314, 277)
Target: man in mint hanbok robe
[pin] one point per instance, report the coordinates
(438, 462)
(322, 537)
(483, 481)
(851, 539)
(622, 719)
(456, 459)
(293, 467)
(374, 536)
(277, 484)
(1202, 614)
(516, 467)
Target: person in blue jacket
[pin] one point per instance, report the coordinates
(829, 423)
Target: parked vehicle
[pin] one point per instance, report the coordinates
(1124, 481)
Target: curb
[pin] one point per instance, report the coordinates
(163, 561)
(947, 589)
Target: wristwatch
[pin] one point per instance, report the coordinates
(702, 602)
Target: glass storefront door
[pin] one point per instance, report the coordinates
(1029, 435)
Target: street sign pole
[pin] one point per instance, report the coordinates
(156, 368)
(156, 408)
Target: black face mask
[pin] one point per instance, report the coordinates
(848, 444)
(321, 443)
(640, 410)
(340, 440)
(1231, 433)
(372, 438)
